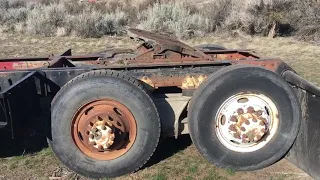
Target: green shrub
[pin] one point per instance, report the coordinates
(184, 19)
(45, 20)
(174, 18)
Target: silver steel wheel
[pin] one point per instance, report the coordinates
(246, 122)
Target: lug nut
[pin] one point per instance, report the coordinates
(259, 113)
(92, 143)
(110, 131)
(232, 128)
(264, 120)
(111, 137)
(257, 138)
(103, 127)
(110, 143)
(245, 141)
(237, 135)
(233, 119)
(250, 109)
(261, 123)
(91, 136)
(240, 111)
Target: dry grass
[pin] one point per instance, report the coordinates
(181, 160)
(185, 19)
(174, 159)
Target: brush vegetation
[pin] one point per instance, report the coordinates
(184, 19)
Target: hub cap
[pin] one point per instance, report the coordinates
(246, 122)
(104, 129)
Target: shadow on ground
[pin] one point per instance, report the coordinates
(32, 144)
(168, 148)
(27, 144)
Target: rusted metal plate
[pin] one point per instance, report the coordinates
(305, 152)
(271, 64)
(163, 43)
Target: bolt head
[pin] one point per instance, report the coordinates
(111, 137)
(237, 135)
(94, 130)
(233, 119)
(250, 109)
(259, 113)
(92, 143)
(240, 111)
(232, 128)
(257, 138)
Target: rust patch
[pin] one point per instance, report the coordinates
(99, 129)
(271, 65)
(148, 81)
(193, 82)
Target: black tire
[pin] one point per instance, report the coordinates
(99, 84)
(225, 83)
(210, 47)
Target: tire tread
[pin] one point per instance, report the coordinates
(117, 74)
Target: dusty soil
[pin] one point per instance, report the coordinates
(174, 159)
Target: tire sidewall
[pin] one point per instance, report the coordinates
(98, 87)
(228, 82)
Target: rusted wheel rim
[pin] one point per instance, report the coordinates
(104, 129)
(246, 122)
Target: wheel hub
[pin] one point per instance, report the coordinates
(247, 126)
(104, 129)
(101, 135)
(246, 122)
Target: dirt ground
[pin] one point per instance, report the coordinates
(174, 159)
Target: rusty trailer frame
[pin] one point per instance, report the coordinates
(170, 69)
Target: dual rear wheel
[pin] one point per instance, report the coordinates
(244, 117)
(104, 124)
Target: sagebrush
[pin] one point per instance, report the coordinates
(181, 18)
